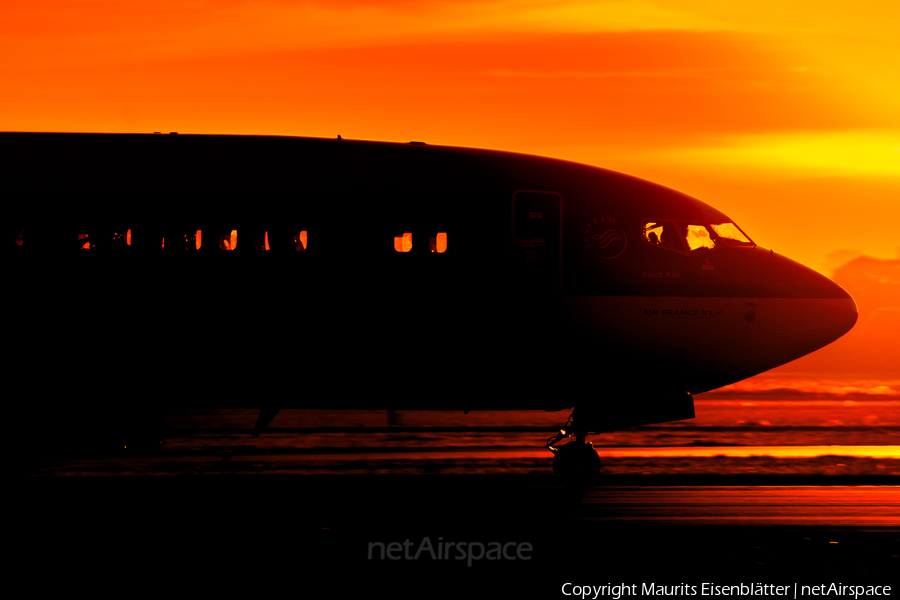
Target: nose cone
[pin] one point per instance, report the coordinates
(817, 313)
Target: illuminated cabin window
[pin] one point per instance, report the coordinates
(105, 239)
(403, 243)
(698, 237)
(228, 241)
(665, 234)
(258, 241)
(438, 243)
(212, 239)
(182, 241)
(730, 234)
(284, 240)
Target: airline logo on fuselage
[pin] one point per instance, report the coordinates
(604, 238)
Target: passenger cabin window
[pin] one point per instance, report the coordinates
(104, 239)
(257, 240)
(228, 241)
(291, 240)
(176, 240)
(438, 243)
(285, 240)
(190, 240)
(403, 243)
(248, 240)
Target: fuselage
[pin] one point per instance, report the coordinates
(438, 276)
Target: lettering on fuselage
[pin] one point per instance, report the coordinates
(693, 313)
(532, 242)
(661, 274)
(604, 238)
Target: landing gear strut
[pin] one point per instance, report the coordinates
(576, 462)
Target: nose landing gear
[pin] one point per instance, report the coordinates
(576, 463)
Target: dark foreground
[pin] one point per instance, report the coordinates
(310, 536)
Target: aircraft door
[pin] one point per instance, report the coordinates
(537, 241)
(533, 305)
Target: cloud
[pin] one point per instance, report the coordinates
(838, 258)
(104, 30)
(682, 73)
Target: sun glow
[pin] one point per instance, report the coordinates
(871, 153)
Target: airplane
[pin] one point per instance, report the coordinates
(174, 269)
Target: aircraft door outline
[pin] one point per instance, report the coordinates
(536, 240)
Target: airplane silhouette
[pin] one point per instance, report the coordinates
(436, 278)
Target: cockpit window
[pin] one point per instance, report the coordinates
(652, 232)
(698, 237)
(730, 234)
(687, 237)
(665, 234)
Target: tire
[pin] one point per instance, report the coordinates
(577, 463)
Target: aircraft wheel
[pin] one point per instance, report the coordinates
(577, 463)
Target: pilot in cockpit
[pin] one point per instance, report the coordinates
(669, 237)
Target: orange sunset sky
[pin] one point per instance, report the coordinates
(783, 114)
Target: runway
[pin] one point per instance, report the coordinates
(759, 506)
(310, 512)
(242, 531)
